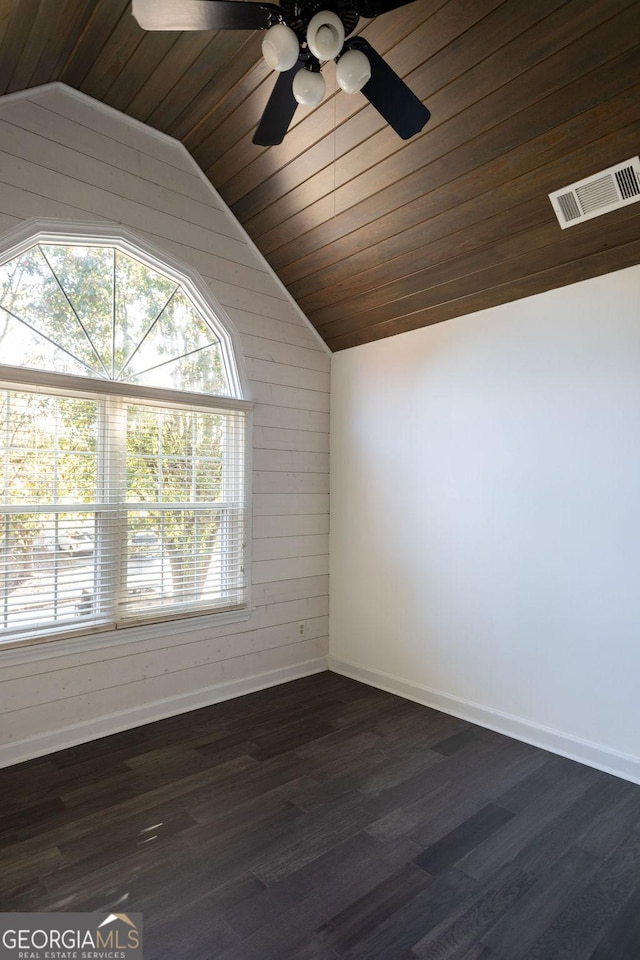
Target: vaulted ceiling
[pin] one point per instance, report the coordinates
(371, 234)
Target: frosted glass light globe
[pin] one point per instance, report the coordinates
(280, 47)
(308, 88)
(353, 71)
(325, 35)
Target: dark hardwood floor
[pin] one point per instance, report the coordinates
(325, 819)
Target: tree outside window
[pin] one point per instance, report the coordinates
(123, 448)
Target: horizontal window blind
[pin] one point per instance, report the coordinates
(118, 510)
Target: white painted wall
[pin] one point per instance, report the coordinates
(486, 517)
(65, 156)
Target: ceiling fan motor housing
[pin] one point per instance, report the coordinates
(298, 14)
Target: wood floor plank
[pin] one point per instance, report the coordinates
(542, 852)
(526, 826)
(355, 923)
(446, 852)
(451, 745)
(578, 930)
(403, 928)
(479, 952)
(461, 930)
(193, 935)
(623, 938)
(463, 797)
(349, 880)
(612, 825)
(529, 918)
(531, 788)
(327, 820)
(306, 841)
(183, 883)
(358, 865)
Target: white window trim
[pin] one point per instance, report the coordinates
(40, 230)
(44, 230)
(21, 651)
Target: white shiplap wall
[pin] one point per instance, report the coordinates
(64, 156)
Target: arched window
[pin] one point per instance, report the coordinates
(123, 441)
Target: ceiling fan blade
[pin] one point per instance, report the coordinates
(205, 14)
(373, 8)
(279, 110)
(389, 94)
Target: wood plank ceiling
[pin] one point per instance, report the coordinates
(373, 235)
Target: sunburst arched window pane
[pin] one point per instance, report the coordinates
(100, 312)
(124, 504)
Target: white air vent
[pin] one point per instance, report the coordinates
(593, 196)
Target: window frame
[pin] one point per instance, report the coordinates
(18, 241)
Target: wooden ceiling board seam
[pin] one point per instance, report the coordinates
(92, 40)
(72, 22)
(15, 37)
(202, 72)
(275, 199)
(114, 56)
(525, 216)
(304, 192)
(566, 249)
(381, 147)
(234, 145)
(593, 123)
(403, 189)
(443, 275)
(352, 247)
(7, 8)
(405, 163)
(603, 262)
(238, 152)
(203, 137)
(35, 44)
(389, 210)
(175, 65)
(230, 69)
(601, 152)
(498, 259)
(192, 80)
(305, 138)
(622, 256)
(149, 54)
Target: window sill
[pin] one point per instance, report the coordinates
(52, 648)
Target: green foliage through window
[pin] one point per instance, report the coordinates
(116, 508)
(100, 312)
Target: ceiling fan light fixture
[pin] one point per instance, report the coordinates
(353, 71)
(308, 87)
(325, 35)
(280, 47)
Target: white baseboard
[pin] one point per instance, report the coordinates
(595, 755)
(70, 736)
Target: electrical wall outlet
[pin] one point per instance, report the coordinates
(301, 629)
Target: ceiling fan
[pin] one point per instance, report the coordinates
(300, 36)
